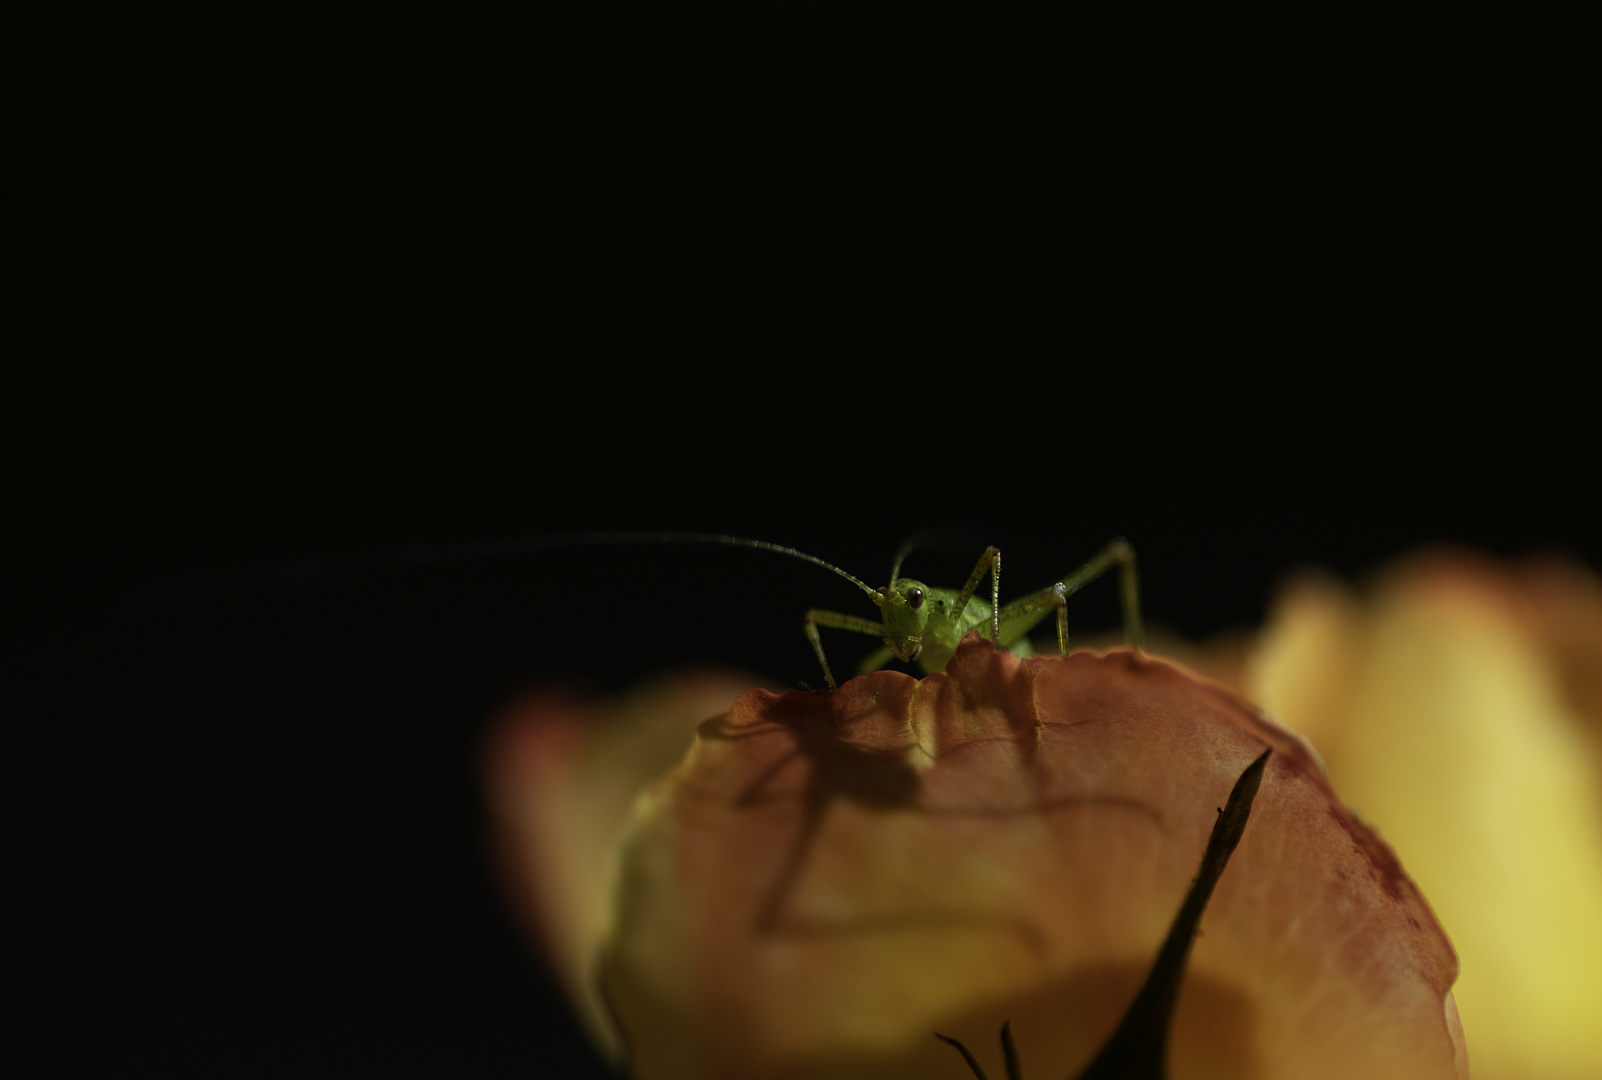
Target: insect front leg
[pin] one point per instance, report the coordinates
(1022, 614)
(836, 621)
(991, 561)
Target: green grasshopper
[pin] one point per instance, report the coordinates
(923, 624)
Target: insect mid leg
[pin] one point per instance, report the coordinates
(836, 621)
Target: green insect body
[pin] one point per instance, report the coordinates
(923, 624)
(920, 623)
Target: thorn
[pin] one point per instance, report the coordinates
(1139, 1045)
(1009, 1053)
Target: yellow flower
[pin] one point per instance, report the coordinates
(827, 879)
(1458, 704)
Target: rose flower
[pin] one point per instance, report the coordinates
(827, 880)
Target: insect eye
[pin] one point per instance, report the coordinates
(915, 598)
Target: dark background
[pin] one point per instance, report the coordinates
(1254, 313)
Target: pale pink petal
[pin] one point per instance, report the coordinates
(830, 878)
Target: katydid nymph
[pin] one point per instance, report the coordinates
(923, 624)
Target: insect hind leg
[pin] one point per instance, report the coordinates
(989, 562)
(1119, 553)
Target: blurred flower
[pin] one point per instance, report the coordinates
(827, 879)
(561, 774)
(1458, 704)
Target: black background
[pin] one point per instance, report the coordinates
(1253, 310)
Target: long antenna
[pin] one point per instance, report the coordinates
(302, 571)
(939, 537)
(901, 555)
(719, 538)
